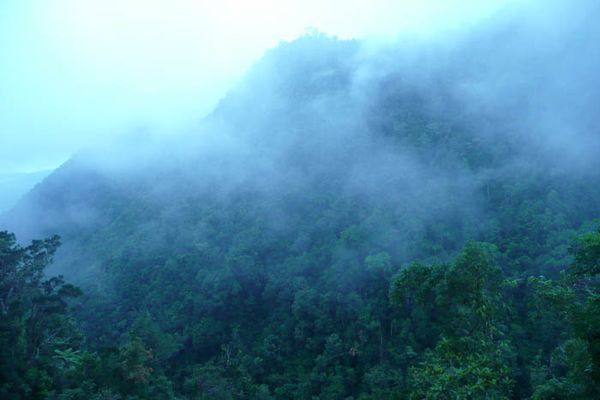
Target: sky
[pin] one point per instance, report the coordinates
(78, 73)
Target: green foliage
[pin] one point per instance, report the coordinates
(335, 273)
(587, 255)
(461, 369)
(460, 309)
(37, 336)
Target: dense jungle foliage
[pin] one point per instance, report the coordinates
(341, 227)
(460, 330)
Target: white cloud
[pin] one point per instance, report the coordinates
(78, 71)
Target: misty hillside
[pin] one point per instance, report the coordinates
(14, 186)
(351, 222)
(411, 163)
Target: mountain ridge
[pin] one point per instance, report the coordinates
(320, 235)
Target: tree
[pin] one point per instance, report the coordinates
(574, 370)
(459, 306)
(587, 255)
(34, 326)
(587, 325)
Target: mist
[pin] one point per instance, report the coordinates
(263, 187)
(78, 74)
(511, 82)
(305, 119)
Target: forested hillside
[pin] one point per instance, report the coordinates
(351, 222)
(15, 185)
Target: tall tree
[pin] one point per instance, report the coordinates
(35, 332)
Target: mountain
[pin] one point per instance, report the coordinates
(402, 141)
(267, 253)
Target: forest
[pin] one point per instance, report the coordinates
(348, 223)
(465, 329)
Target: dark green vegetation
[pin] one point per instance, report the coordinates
(342, 226)
(458, 330)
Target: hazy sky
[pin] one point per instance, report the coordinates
(77, 72)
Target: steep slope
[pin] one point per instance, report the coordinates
(314, 182)
(13, 186)
(318, 119)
